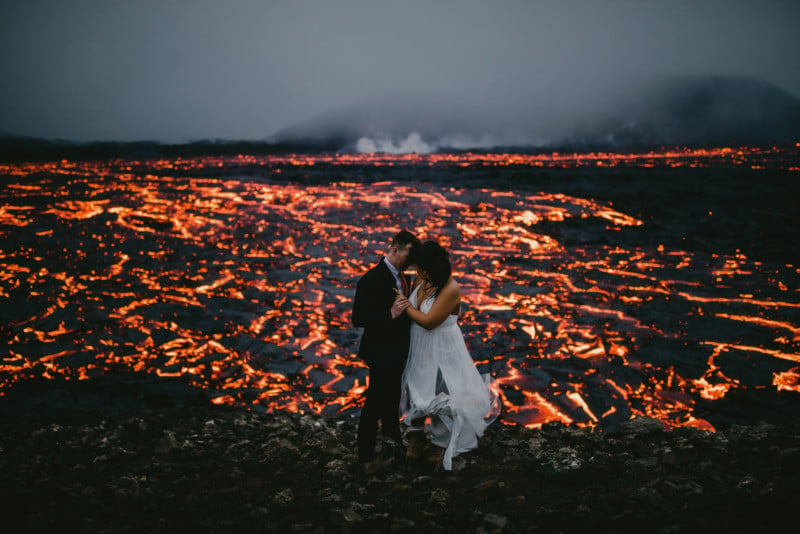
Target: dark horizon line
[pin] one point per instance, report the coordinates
(22, 149)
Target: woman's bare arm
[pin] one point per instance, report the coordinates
(445, 302)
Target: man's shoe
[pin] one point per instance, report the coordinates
(369, 468)
(393, 450)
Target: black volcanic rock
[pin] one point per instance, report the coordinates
(222, 470)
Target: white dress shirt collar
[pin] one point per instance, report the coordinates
(395, 272)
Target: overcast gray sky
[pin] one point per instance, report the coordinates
(181, 70)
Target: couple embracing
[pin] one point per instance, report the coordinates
(420, 370)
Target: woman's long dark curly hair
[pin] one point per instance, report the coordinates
(432, 258)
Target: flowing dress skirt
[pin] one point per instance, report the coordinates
(441, 381)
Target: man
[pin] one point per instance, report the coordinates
(384, 344)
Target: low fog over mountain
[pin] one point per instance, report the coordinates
(667, 111)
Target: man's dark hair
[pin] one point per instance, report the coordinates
(403, 238)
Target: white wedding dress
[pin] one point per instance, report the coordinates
(441, 381)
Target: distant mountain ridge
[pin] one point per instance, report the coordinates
(714, 110)
(669, 111)
(686, 111)
(18, 148)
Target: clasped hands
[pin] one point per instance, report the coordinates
(400, 304)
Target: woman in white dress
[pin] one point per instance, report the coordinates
(442, 388)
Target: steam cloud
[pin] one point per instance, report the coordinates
(411, 144)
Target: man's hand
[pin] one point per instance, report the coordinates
(399, 306)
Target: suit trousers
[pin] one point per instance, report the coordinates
(382, 404)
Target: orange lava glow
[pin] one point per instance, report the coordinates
(788, 380)
(242, 285)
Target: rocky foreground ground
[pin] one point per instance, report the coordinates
(208, 469)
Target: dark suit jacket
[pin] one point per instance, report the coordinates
(384, 342)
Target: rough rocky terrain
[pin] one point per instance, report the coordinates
(193, 467)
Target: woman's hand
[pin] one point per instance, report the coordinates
(400, 304)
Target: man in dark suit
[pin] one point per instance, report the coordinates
(384, 344)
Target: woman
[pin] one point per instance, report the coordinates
(440, 380)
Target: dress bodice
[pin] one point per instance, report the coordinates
(425, 307)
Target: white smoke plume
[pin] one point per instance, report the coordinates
(413, 144)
